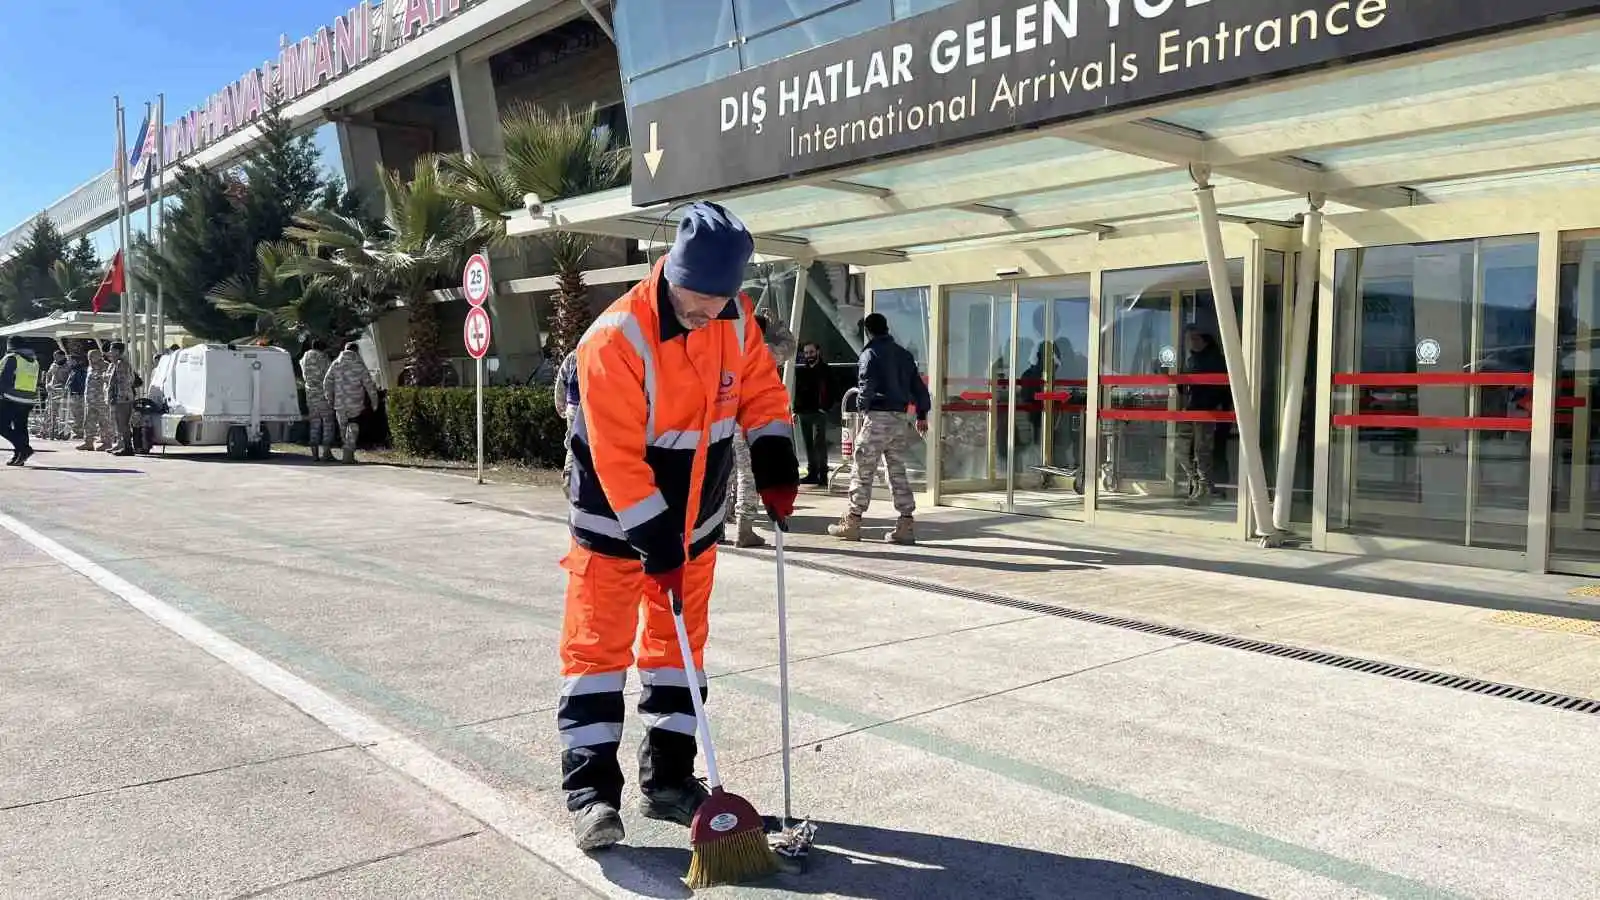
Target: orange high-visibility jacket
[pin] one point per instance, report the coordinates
(652, 441)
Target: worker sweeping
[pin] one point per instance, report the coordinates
(666, 376)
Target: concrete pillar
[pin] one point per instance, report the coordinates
(1299, 352)
(1244, 407)
(362, 156)
(516, 321)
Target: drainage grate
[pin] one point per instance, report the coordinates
(1282, 651)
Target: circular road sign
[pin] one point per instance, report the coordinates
(476, 332)
(475, 279)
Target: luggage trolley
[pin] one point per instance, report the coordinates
(850, 423)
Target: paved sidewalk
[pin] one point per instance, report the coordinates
(132, 765)
(953, 746)
(1447, 618)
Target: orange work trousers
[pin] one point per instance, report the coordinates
(604, 595)
(601, 625)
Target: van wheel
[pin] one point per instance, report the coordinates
(238, 442)
(262, 447)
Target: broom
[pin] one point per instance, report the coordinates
(726, 835)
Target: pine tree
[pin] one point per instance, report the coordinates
(27, 286)
(282, 178)
(219, 221)
(205, 243)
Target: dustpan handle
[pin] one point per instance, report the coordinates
(702, 725)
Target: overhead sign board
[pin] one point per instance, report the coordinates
(982, 67)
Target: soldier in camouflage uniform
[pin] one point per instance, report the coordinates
(96, 412)
(55, 409)
(77, 383)
(744, 502)
(564, 393)
(349, 386)
(889, 384)
(319, 409)
(120, 397)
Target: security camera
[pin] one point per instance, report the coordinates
(533, 204)
(1007, 273)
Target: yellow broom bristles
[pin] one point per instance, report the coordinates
(732, 860)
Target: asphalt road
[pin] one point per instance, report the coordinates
(243, 679)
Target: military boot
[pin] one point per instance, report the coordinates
(677, 804)
(596, 826)
(349, 454)
(747, 535)
(316, 453)
(904, 531)
(86, 445)
(847, 528)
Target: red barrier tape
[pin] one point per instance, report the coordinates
(1446, 423)
(1433, 379)
(1167, 415)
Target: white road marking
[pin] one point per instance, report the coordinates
(492, 807)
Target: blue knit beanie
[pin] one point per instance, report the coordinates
(711, 252)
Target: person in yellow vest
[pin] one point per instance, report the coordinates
(19, 391)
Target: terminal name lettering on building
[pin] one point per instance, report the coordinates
(359, 36)
(1043, 39)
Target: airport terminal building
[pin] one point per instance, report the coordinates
(1399, 201)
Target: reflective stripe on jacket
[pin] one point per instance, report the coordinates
(24, 386)
(652, 438)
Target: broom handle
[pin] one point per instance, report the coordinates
(783, 664)
(702, 725)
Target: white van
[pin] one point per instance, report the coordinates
(215, 395)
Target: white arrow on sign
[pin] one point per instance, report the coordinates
(652, 157)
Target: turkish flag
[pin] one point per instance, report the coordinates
(114, 283)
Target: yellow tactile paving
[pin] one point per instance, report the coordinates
(1547, 623)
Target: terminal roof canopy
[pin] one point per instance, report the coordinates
(1497, 114)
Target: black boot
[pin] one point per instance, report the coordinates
(597, 826)
(667, 785)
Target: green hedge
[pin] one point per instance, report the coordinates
(519, 425)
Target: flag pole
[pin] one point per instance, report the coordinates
(147, 356)
(121, 173)
(161, 214)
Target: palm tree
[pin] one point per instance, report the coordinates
(287, 308)
(420, 247)
(556, 155)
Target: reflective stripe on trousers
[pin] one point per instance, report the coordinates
(604, 596)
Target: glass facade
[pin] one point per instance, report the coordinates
(1168, 443)
(1433, 391)
(667, 47)
(1013, 395)
(1575, 458)
(909, 320)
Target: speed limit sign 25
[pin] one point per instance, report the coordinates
(475, 280)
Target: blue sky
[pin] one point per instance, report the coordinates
(61, 61)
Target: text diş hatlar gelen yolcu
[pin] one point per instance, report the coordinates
(1029, 28)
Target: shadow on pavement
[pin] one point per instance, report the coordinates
(1304, 567)
(78, 470)
(991, 565)
(868, 863)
